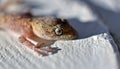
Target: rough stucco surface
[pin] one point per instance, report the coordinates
(95, 52)
(94, 48)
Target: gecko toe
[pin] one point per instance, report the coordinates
(51, 49)
(45, 51)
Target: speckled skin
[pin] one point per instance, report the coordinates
(41, 30)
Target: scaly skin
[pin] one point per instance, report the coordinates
(44, 30)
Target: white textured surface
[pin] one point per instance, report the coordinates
(94, 48)
(95, 52)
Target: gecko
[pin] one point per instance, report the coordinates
(44, 30)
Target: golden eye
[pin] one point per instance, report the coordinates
(58, 31)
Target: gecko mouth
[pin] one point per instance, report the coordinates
(67, 37)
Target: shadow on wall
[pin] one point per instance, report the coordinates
(110, 18)
(87, 29)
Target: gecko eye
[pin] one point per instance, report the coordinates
(58, 31)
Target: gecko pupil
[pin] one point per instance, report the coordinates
(58, 31)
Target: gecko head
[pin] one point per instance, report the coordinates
(53, 29)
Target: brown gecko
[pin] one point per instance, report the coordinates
(44, 30)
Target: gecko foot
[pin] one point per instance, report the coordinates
(41, 51)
